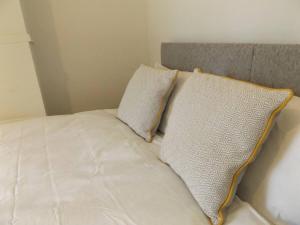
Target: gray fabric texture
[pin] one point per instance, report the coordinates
(277, 66)
(268, 64)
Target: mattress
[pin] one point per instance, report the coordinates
(91, 169)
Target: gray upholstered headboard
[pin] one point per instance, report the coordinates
(267, 64)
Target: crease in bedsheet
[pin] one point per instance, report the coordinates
(130, 220)
(15, 189)
(115, 219)
(100, 171)
(107, 176)
(56, 210)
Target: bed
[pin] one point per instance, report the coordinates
(90, 168)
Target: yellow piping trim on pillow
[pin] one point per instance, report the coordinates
(257, 147)
(251, 158)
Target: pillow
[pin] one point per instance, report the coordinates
(272, 184)
(182, 76)
(145, 98)
(215, 131)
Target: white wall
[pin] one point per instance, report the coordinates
(11, 20)
(19, 90)
(252, 21)
(86, 51)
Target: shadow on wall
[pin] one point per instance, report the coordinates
(46, 55)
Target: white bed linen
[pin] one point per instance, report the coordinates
(91, 169)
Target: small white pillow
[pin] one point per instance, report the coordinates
(272, 183)
(145, 99)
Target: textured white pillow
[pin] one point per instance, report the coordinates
(216, 129)
(272, 183)
(182, 76)
(145, 98)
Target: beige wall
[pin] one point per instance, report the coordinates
(253, 21)
(11, 20)
(86, 51)
(19, 90)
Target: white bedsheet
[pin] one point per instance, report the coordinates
(91, 169)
